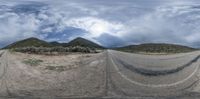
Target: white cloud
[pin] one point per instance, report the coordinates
(95, 26)
(14, 27)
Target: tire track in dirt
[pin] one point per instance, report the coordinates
(2, 66)
(4, 77)
(148, 72)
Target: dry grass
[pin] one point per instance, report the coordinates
(33, 62)
(52, 63)
(56, 68)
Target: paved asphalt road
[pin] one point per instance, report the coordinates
(129, 75)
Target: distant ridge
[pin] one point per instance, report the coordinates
(156, 48)
(55, 43)
(147, 47)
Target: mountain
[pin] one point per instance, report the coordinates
(83, 43)
(156, 48)
(35, 42)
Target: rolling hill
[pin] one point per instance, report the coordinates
(147, 48)
(35, 42)
(156, 48)
(29, 42)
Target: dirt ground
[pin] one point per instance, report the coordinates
(73, 75)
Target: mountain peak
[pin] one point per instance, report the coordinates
(79, 38)
(32, 38)
(79, 41)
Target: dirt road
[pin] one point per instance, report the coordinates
(140, 78)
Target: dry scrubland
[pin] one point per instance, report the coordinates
(55, 63)
(72, 75)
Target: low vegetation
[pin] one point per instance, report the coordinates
(32, 62)
(37, 46)
(55, 50)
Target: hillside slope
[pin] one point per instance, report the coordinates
(83, 43)
(30, 42)
(156, 48)
(55, 43)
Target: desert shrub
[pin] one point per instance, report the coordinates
(45, 50)
(32, 62)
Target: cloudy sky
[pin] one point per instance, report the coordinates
(106, 22)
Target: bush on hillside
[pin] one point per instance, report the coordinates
(46, 50)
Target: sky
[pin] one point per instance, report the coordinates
(111, 23)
